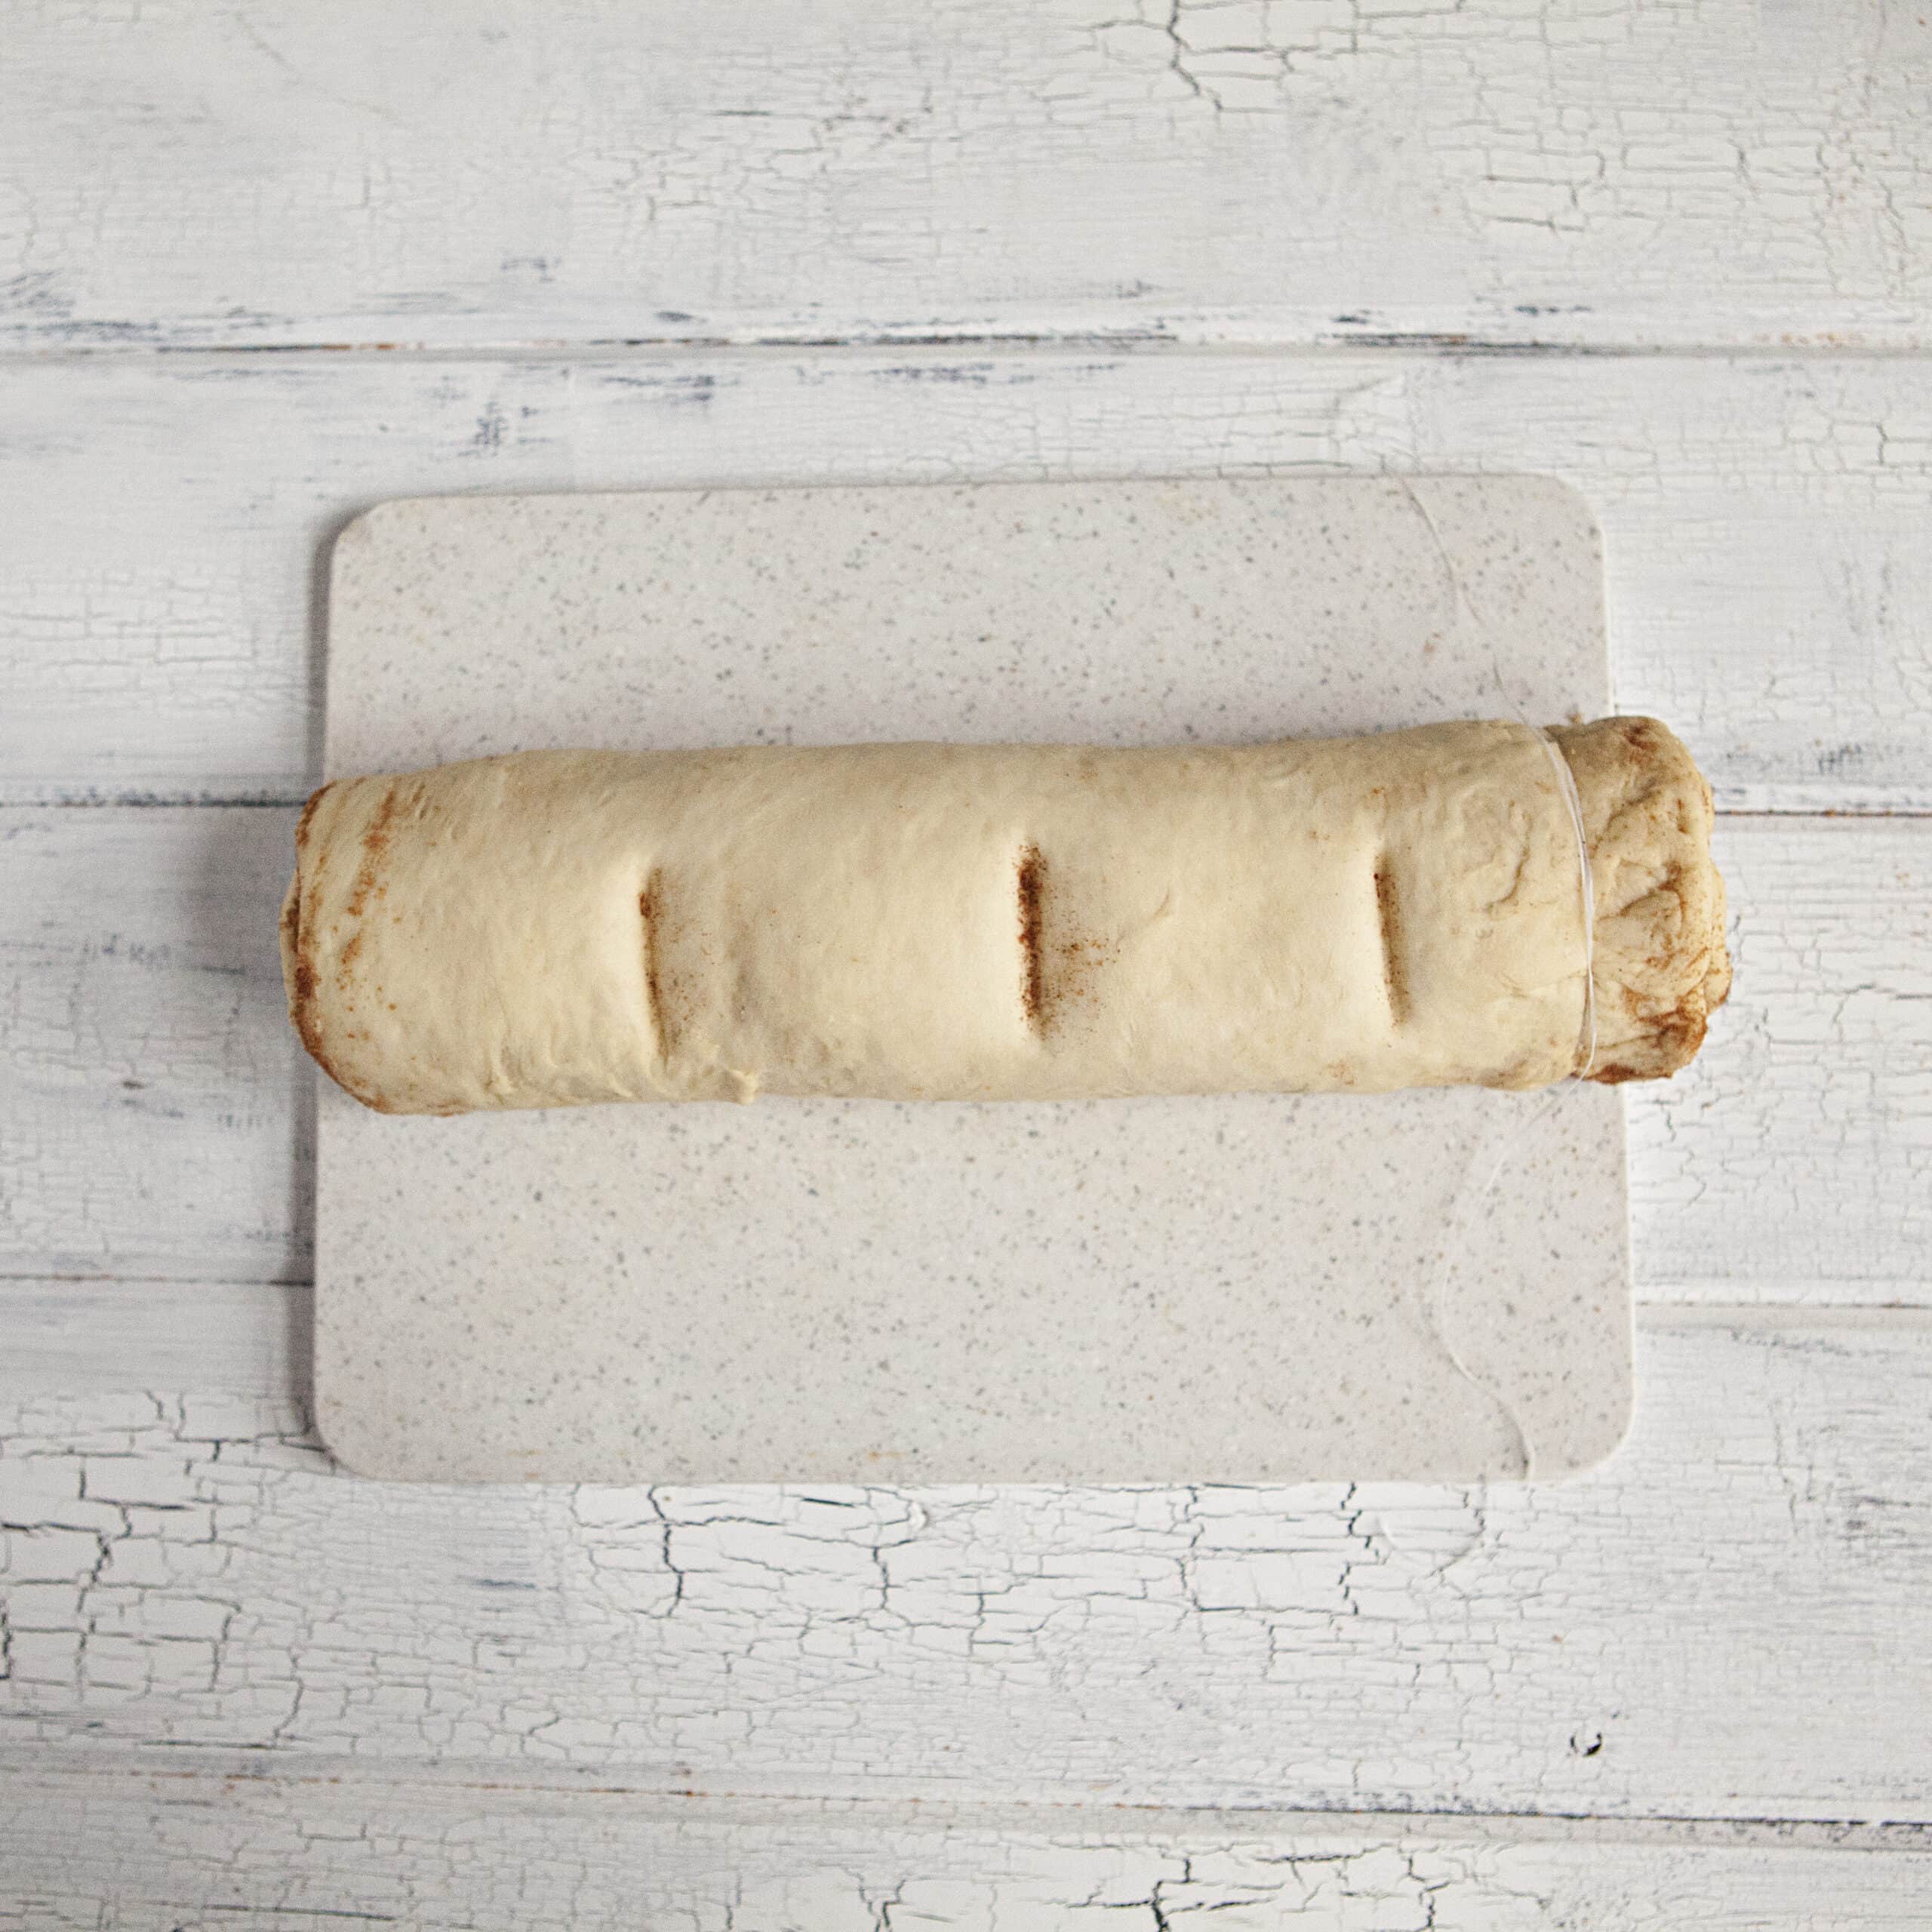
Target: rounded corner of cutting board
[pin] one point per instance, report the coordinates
(370, 525)
(1599, 1430)
(1566, 500)
(339, 1426)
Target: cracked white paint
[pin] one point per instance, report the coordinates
(271, 1848)
(1792, 1158)
(191, 1572)
(1707, 171)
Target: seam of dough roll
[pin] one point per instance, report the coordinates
(1006, 922)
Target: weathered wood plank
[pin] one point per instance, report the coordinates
(95, 1840)
(155, 1109)
(1727, 1621)
(163, 526)
(257, 174)
(1793, 1158)
(243, 1337)
(154, 1118)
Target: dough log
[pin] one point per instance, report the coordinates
(1008, 922)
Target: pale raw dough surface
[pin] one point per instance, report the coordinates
(945, 922)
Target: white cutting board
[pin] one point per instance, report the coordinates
(1250, 1289)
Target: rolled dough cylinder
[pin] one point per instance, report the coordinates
(1005, 922)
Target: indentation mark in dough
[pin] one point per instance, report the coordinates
(1031, 870)
(1389, 918)
(650, 903)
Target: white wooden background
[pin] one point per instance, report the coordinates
(262, 265)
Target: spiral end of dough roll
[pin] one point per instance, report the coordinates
(1660, 968)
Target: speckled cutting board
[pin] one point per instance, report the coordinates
(1252, 1289)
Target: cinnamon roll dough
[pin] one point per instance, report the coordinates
(932, 921)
